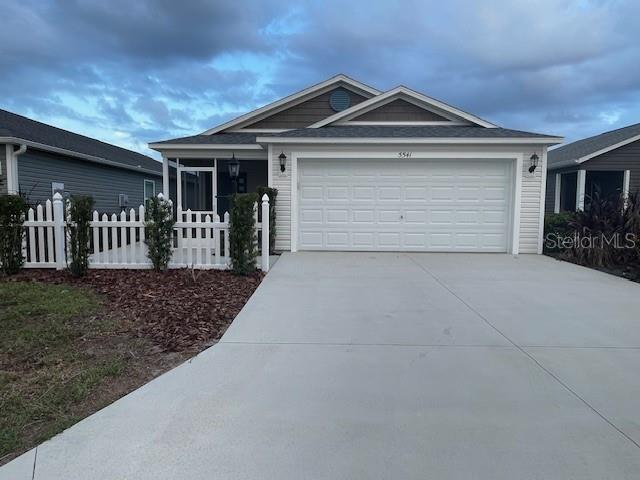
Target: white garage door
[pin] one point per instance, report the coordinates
(420, 205)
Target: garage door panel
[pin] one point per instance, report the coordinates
(444, 205)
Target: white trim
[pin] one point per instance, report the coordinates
(178, 186)
(144, 188)
(608, 149)
(290, 100)
(516, 157)
(165, 176)
(71, 153)
(270, 165)
(626, 182)
(447, 123)
(517, 202)
(258, 130)
(415, 140)
(543, 198)
(399, 92)
(204, 146)
(11, 164)
(556, 200)
(580, 188)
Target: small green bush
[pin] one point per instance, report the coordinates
(79, 211)
(272, 193)
(12, 210)
(242, 233)
(158, 226)
(557, 226)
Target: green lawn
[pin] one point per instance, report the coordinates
(51, 360)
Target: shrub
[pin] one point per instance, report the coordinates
(12, 210)
(242, 233)
(272, 193)
(557, 226)
(79, 211)
(158, 226)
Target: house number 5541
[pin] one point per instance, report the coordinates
(404, 154)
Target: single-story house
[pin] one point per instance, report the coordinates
(608, 163)
(361, 169)
(37, 159)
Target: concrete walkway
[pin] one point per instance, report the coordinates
(379, 366)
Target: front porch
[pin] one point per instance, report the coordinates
(574, 189)
(205, 185)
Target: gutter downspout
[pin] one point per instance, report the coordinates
(12, 168)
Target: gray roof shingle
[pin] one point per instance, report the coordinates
(217, 138)
(14, 125)
(587, 146)
(426, 131)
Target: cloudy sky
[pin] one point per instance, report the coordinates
(129, 72)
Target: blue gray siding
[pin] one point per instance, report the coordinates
(3, 169)
(37, 170)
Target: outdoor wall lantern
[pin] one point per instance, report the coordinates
(234, 167)
(534, 162)
(283, 162)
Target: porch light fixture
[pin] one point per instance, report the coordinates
(234, 167)
(283, 161)
(534, 162)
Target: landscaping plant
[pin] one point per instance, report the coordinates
(158, 226)
(12, 210)
(556, 227)
(79, 211)
(272, 193)
(242, 233)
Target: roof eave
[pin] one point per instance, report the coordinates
(413, 140)
(160, 147)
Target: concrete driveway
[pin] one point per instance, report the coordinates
(363, 365)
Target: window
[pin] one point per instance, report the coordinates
(149, 189)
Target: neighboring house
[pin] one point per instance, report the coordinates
(608, 163)
(361, 169)
(37, 159)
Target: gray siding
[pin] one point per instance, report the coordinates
(37, 169)
(623, 158)
(399, 111)
(3, 169)
(305, 113)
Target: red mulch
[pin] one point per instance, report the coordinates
(177, 310)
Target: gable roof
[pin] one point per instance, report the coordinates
(16, 128)
(403, 92)
(587, 148)
(295, 98)
(400, 134)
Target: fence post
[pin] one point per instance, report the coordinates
(58, 231)
(265, 233)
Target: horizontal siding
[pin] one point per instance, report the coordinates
(37, 170)
(3, 169)
(305, 113)
(623, 158)
(282, 181)
(399, 111)
(530, 205)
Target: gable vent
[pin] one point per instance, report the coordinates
(339, 100)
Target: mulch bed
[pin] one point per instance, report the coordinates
(178, 310)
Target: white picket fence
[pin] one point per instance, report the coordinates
(200, 240)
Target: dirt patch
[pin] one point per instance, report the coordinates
(178, 310)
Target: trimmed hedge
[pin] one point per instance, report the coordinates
(158, 226)
(79, 211)
(242, 233)
(272, 193)
(557, 225)
(12, 210)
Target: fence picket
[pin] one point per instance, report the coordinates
(142, 250)
(133, 245)
(198, 241)
(40, 233)
(32, 237)
(114, 239)
(49, 218)
(216, 239)
(105, 255)
(95, 233)
(226, 238)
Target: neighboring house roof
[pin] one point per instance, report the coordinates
(587, 148)
(16, 128)
(404, 133)
(215, 139)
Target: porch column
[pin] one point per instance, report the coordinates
(556, 204)
(165, 176)
(626, 181)
(580, 187)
